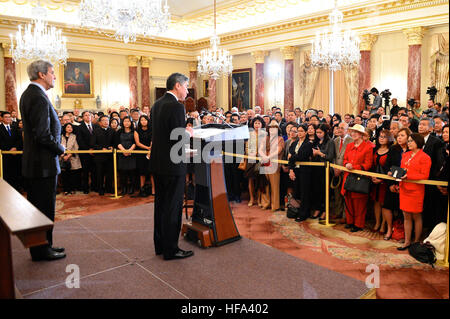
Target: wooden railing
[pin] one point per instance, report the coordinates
(20, 218)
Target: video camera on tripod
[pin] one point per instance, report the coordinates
(366, 98)
(386, 95)
(432, 91)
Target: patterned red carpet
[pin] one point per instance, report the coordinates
(401, 276)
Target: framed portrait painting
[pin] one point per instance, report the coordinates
(240, 87)
(77, 78)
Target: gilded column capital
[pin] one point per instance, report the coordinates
(415, 35)
(259, 56)
(6, 50)
(288, 52)
(193, 66)
(145, 61)
(367, 41)
(133, 60)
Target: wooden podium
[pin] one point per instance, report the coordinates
(212, 219)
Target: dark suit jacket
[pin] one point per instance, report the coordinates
(304, 154)
(41, 135)
(167, 115)
(102, 139)
(84, 136)
(433, 148)
(6, 141)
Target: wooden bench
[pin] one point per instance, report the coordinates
(19, 218)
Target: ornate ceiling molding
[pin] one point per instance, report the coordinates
(291, 32)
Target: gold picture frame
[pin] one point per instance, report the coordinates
(77, 78)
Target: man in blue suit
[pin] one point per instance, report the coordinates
(41, 149)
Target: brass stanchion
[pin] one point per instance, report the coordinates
(327, 197)
(115, 175)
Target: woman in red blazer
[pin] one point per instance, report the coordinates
(358, 155)
(417, 165)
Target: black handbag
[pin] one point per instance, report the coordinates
(357, 184)
(65, 165)
(397, 172)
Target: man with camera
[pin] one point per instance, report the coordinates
(376, 101)
(430, 111)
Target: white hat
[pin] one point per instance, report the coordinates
(358, 127)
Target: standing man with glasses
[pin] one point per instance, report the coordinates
(41, 149)
(168, 114)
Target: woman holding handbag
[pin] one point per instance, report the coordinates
(324, 151)
(301, 151)
(286, 185)
(70, 163)
(391, 201)
(378, 192)
(256, 136)
(358, 155)
(417, 165)
(274, 146)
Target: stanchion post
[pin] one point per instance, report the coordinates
(115, 174)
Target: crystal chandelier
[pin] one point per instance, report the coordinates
(126, 18)
(338, 49)
(39, 41)
(214, 61)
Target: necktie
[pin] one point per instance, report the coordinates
(9, 131)
(90, 128)
(340, 145)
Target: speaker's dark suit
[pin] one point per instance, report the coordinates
(103, 138)
(84, 137)
(432, 147)
(41, 148)
(167, 114)
(11, 165)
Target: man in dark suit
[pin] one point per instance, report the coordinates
(432, 147)
(168, 114)
(85, 132)
(103, 139)
(41, 149)
(10, 141)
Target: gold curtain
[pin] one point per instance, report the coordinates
(321, 99)
(342, 103)
(309, 76)
(351, 81)
(440, 65)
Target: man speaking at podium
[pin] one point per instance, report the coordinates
(168, 114)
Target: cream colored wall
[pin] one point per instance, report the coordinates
(389, 64)
(159, 71)
(426, 71)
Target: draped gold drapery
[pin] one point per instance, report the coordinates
(309, 76)
(440, 65)
(351, 81)
(321, 99)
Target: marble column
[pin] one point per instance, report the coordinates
(259, 85)
(133, 81)
(145, 80)
(211, 93)
(367, 41)
(10, 79)
(193, 74)
(288, 55)
(415, 36)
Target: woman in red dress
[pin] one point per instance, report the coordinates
(378, 192)
(358, 155)
(417, 165)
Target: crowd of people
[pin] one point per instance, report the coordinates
(411, 138)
